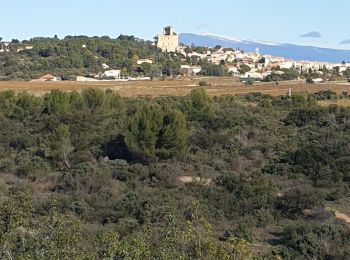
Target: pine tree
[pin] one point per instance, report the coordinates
(197, 105)
(172, 137)
(61, 145)
(154, 131)
(143, 131)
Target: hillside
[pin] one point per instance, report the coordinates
(291, 51)
(90, 57)
(73, 55)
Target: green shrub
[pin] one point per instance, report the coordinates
(203, 83)
(249, 82)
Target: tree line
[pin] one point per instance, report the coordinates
(84, 56)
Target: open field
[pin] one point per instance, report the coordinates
(339, 102)
(219, 86)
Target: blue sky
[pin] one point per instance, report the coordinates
(322, 22)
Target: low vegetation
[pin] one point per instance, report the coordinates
(92, 175)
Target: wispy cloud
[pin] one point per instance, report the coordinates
(203, 26)
(312, 34)
(345, 42)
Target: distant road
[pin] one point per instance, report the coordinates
(178, 87)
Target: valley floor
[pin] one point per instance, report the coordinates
(178, 87)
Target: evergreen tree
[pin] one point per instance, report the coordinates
(143, 131)
(156, 132)
(197, 105)
(56, 102)
(172, 137)
(60, 144)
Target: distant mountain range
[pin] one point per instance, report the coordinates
(290, 51)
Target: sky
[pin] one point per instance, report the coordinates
(322, 23)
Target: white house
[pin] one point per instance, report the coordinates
(252, 75)
(115, 74)
(342, 68)
(191, 70)
(84, 79)
(278, 72)
(196, 69)
(318, 80)
(233, 70)
(141, 61)
(105, 66)
(286, 65)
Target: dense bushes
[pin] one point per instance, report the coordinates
(314, 240)
(296, 200)
(93, 175)
(324, 95)
(288, 74)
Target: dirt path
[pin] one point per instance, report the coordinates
(189, 179)
(338, 215)
(342, 216)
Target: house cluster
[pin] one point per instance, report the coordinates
(108, 75)
(113, 74)
(226, 55)
(260, 65)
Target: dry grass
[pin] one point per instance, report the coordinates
(339, 102)
(219, 86)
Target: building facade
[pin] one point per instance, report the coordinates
(168, 41)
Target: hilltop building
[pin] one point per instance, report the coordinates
(168, 41)
(4, 47)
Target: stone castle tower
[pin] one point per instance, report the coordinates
(168, 41)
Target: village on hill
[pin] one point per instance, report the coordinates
(191, 61)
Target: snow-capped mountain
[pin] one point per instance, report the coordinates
(290, 51)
